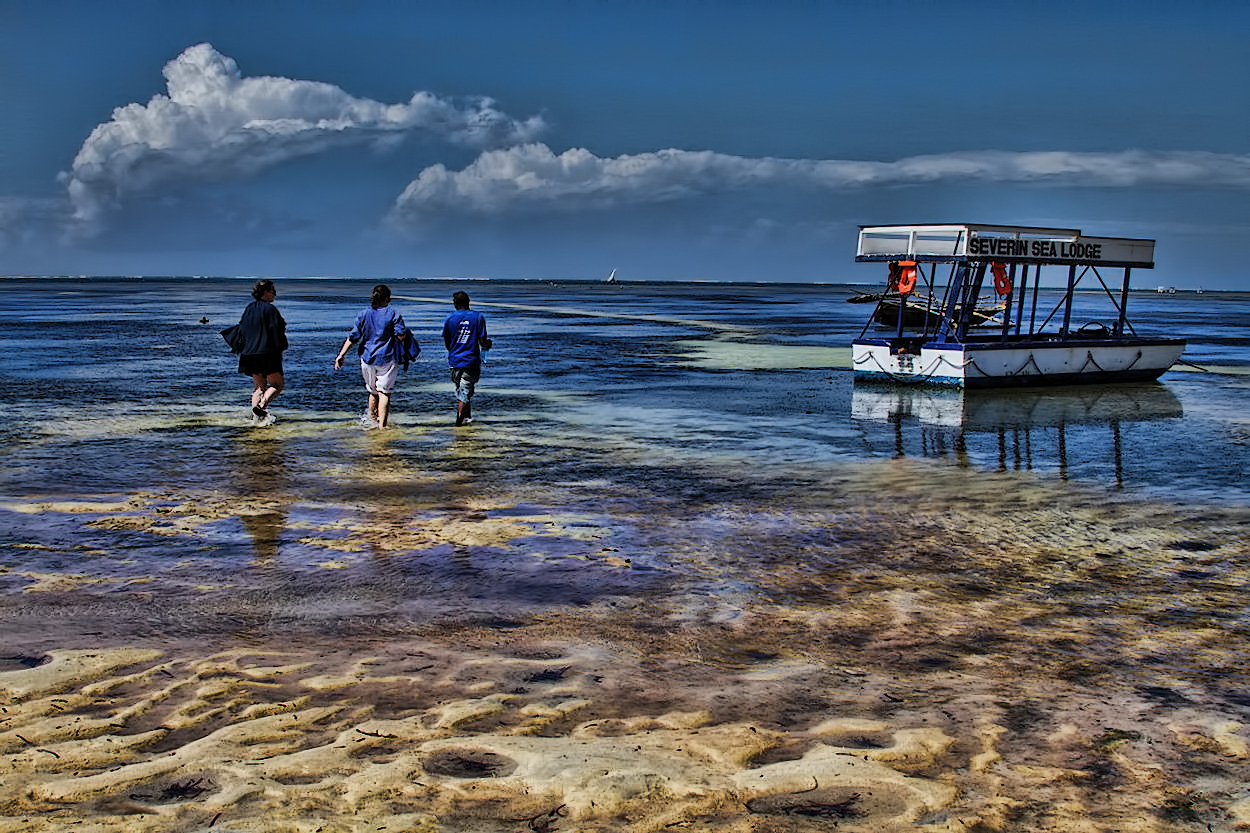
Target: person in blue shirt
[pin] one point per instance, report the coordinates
(383, 343)
(464, 335)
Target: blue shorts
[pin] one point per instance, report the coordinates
(464, 378)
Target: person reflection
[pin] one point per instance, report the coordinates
(262, 493)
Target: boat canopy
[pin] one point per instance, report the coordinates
(952, 243)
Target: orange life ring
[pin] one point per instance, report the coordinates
(1002, 283)
(906, 276)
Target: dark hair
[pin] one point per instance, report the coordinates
(460, 300)
(381, 296)
(261, 287)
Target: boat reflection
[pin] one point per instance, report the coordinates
(1011, 430)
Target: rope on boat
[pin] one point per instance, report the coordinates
(924, 376)
(971, 363)
(1089, 359)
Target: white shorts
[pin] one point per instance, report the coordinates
(379, 378)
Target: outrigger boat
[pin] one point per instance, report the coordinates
(1029, 346)
(919, 309)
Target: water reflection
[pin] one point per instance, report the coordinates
(1012, 430)
(259, 473)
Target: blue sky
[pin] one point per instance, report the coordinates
(740, 140)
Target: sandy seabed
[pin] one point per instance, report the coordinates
(479, 732)
(867, 668)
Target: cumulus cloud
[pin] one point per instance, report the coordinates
(216, 124)
(532, 175)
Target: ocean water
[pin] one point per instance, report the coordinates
(680, 471)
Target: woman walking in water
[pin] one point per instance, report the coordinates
(384, 343)
(259, 339)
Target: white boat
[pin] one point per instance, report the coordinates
(611, 277)
(1033, 345)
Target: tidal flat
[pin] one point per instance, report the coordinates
(668, 579)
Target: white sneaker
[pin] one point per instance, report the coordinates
(367, 421)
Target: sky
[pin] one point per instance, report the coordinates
(742, 140)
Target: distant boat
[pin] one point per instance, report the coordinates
(611, 277)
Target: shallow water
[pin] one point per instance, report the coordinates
(676, 494)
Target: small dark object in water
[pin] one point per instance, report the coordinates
(189, 789)
(204, 319)
(177, 791)
(550, 675)
(542, 823)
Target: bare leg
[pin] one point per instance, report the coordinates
(258, 388)
(384, 410)
(373, 407)
(264, 389)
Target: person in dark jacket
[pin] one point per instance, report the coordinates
(261, 340)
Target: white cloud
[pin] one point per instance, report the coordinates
(532, 175)
(216, 124)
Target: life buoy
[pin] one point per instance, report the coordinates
(906, 276)
(1002, 283)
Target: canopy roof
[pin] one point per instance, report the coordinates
(1007, 244)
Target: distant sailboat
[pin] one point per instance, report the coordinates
(611, 277)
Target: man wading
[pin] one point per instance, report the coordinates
(464, 334)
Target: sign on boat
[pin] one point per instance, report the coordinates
(1037, 339)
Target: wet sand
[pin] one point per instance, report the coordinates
(834, 661)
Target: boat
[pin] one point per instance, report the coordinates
(611, 277)
(920, 308)
(1042, 337)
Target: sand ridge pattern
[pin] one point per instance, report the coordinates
(527, 734)
(129, 740)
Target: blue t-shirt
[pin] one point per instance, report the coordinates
(461, 332)
(376, 335)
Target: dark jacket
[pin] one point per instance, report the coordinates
(260, 330)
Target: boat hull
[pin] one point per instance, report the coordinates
(1019, 363)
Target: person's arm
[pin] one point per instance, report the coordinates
(338, 360)
(483, 340)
